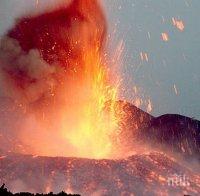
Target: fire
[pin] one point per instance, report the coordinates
(79, 96)
(91, 134)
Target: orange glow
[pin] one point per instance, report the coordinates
(165, 37)
(179, 24)
(144, 56)
(77, 115)
(87, 123)
(91, 134)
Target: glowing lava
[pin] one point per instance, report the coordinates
(71, 41)
(95, 126)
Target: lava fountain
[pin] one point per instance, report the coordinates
(61, 101)
(54, 63)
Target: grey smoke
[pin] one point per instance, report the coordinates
(38, 75)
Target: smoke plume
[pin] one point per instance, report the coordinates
(43, 73)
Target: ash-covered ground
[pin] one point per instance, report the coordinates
(142, 174)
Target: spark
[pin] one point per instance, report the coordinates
(165, 37)
(144, 56)
(179, 24)
(175, 89)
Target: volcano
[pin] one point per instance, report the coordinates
(142, 174)
(63, 126)
(167, 167)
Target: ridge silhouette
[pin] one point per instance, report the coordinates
(4, 192)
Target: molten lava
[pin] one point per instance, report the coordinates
(53, 69)
(71, 41)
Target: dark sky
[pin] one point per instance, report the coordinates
(171, 76)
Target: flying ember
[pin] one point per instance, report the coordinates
(63, 127)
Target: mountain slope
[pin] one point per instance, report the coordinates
(143, 174)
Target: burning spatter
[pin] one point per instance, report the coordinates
(165, 37)
(179, 24)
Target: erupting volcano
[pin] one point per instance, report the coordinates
(69, 77)
(61, 95)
